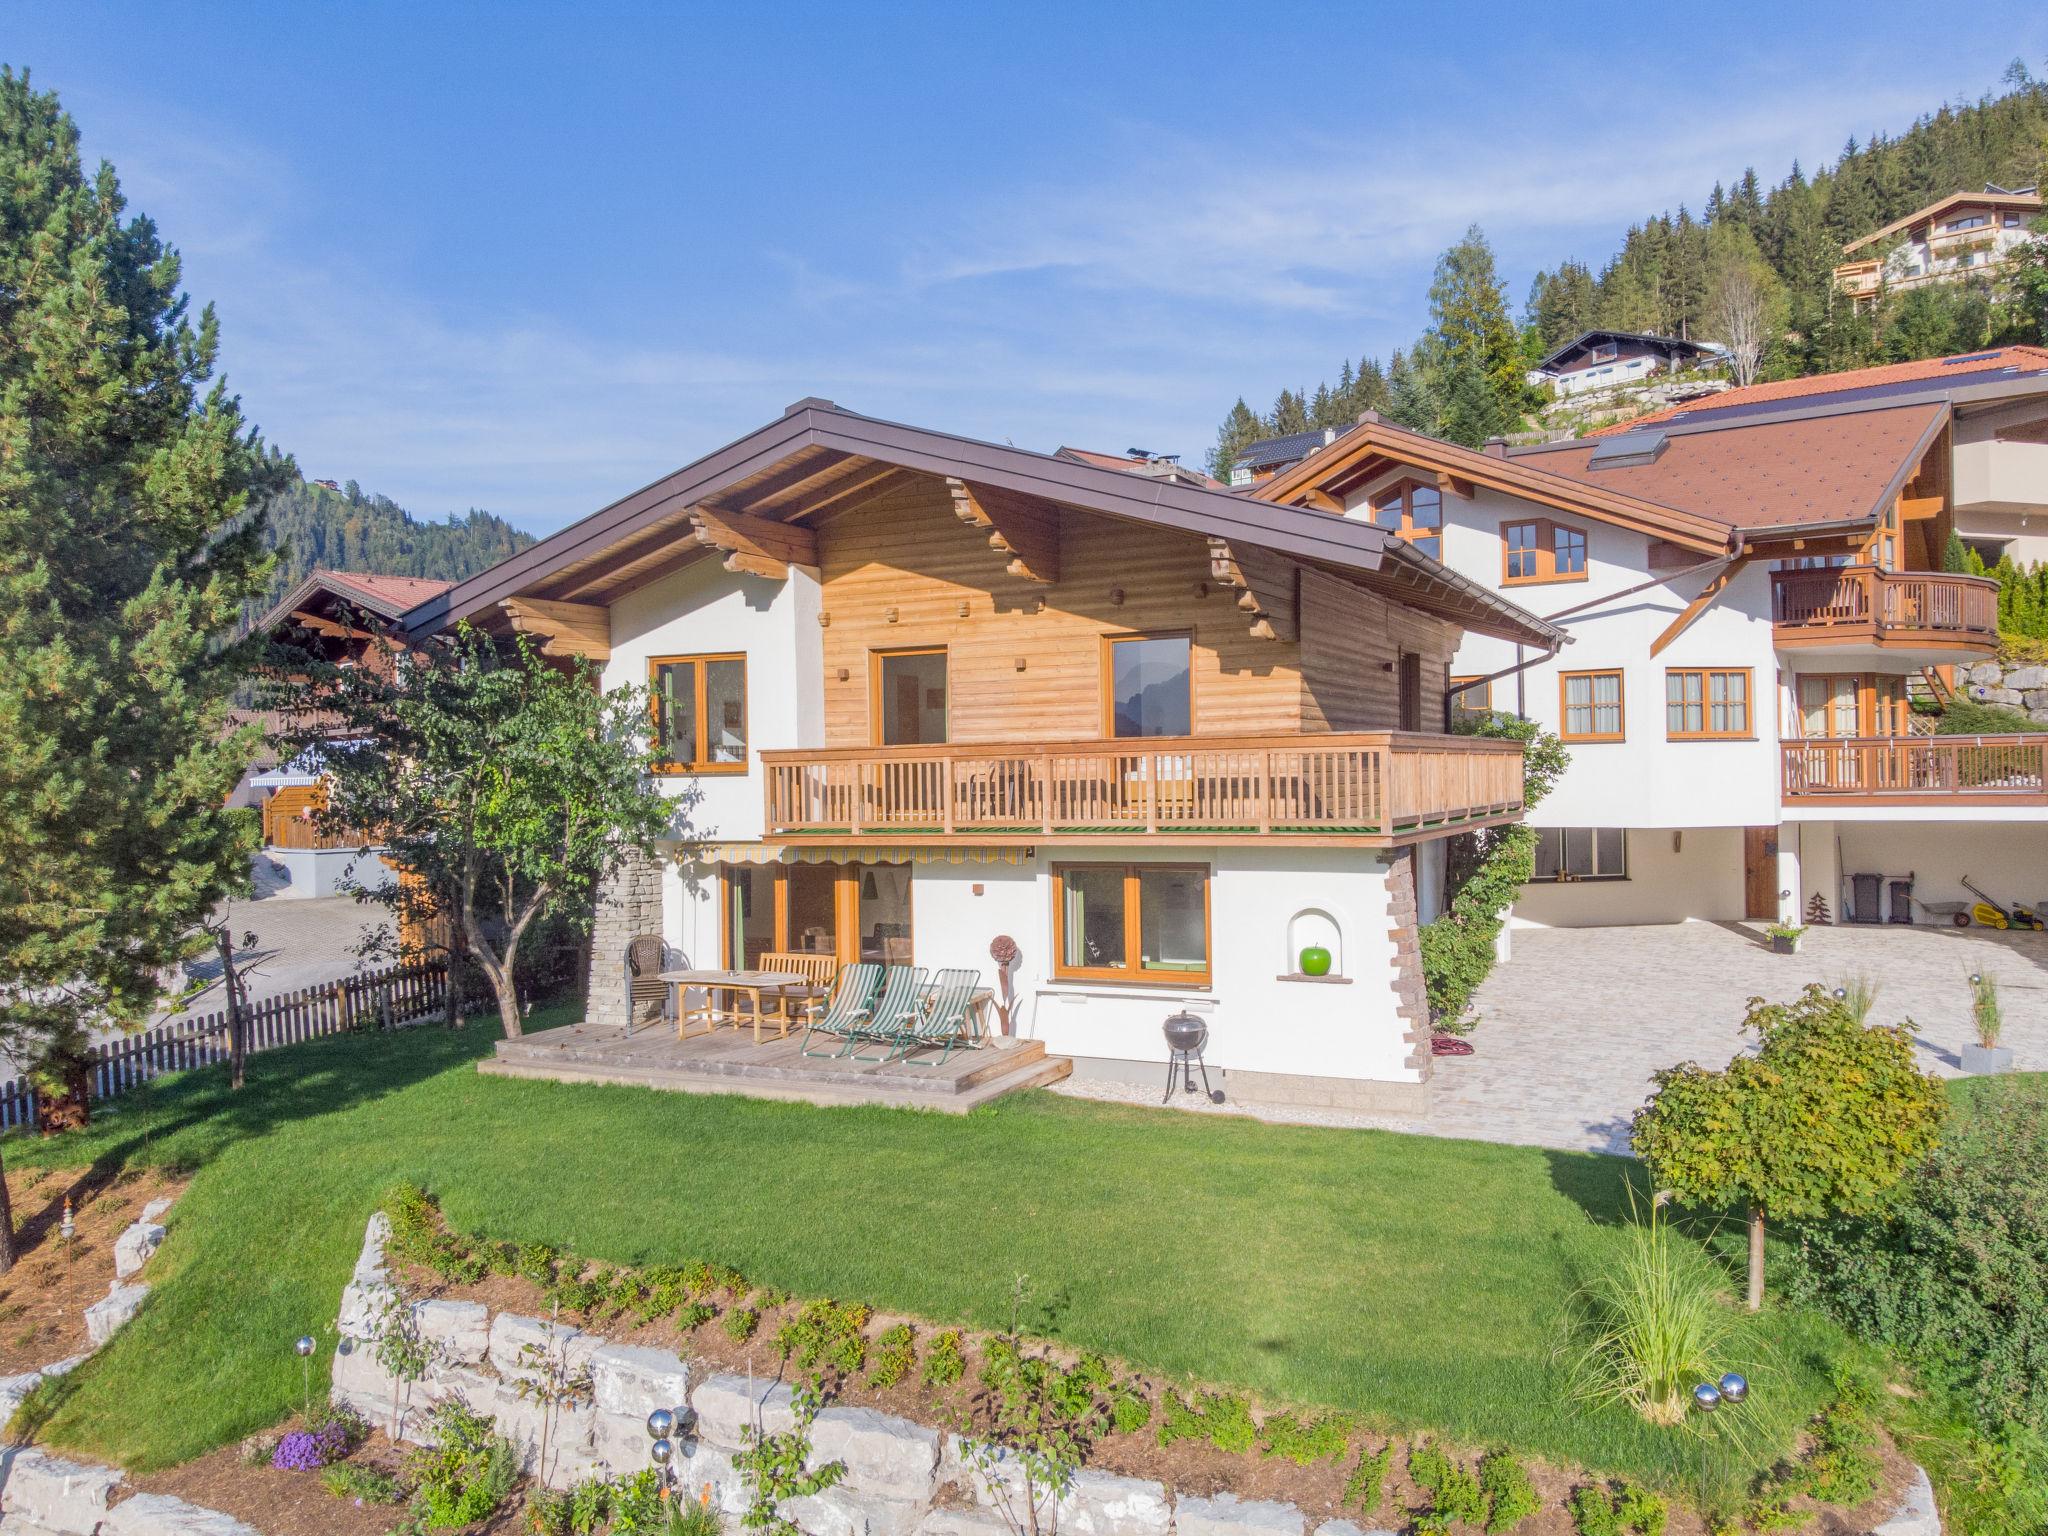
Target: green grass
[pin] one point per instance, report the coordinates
(1424, 1283)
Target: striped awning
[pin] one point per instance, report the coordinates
(778, 853)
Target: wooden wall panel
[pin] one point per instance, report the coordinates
(907, 551)
(1350, 641)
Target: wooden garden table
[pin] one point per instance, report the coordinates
(712, 982)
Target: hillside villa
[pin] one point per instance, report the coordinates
(1965, 235)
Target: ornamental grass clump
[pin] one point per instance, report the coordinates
(1987, 1015)
(1654, 1324)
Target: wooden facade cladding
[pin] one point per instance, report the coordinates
(1862, 606)
(1366, 789)
(1021, 607)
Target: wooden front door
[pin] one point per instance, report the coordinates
(1760, 873)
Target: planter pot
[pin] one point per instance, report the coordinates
(1315, 961)
(1985, 1060)
(1783, 946)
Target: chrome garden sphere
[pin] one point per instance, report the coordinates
(1706, 1397)
(660, 1452)
(305, 1344)
(660, 1424)
(1734, 1388)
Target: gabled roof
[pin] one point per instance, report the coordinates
(2006, 202)
(1285, 449)
(1926, 378)
(384, 597)
(1808, 471)
(1668, 343)
(817, 455)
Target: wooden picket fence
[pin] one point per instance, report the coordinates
(399, 995)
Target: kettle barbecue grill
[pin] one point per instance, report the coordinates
(1185, 1036)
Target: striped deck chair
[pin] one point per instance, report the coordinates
(947, 1018)
(847, 1008)
(894, 1012)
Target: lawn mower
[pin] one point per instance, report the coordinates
(1990, 914)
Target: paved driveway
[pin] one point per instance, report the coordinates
(299, 943)
(1572, 1027)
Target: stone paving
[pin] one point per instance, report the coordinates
(1571, 1028)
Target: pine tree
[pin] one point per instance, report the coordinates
(1371, 392)
(1240, 428)
(1471, 411)
(125, 555)
(1469, 314)
(1290, 414)
(1410, 400)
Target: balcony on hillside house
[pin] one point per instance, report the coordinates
(1931, 771)
(1861, 607)
(1374, 789)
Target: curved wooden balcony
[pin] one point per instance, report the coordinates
(1376, 789)
(1918, 770)
(1859, 605)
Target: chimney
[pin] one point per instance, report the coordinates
(1496, 447)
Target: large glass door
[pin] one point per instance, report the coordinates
(849, 911)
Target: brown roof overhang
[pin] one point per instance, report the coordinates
(1300, 533)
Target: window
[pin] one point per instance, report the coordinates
(1408, 695)
(1132, 922)
(700, 713)
(1414, 514)
(1565, 854)
(909, 698)
(1540, 550)
(1468, 698)
(1968, 221)
(1149, 685)
(1591, 706)
(1704, 703)
(850, 911)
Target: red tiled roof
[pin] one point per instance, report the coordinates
(1767, 474)
(405, 591)
(1928, 370)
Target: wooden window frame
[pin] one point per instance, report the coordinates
(1133, 973)
(700, 768)
(1545, 551)
(1107, 666)
(1562, 877)
(1408, 532)
(846, 901)
(876, 657)
(1564, 713)
(1707, 731)
(1456, 698)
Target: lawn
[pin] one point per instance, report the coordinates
(1422, 1281)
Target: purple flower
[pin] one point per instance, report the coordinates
(300, 1451)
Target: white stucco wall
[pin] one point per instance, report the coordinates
(2008, 862)
(1701, 877)
(313, 872)
(705, 609)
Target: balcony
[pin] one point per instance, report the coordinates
(1918, 770)
(1380, 789)
(1861, 606)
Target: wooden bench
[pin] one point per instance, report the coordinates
(793, 1005)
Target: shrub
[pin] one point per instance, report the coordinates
(944, 1363)
(825, 1332)
(465, 1474)
(1654, 1324)
(895, 1355)
(638, 1508)
(360, 1485)
(1307, 1440)
(1596, 1512)
(1966, 717)
(1367, 1484)
(1222, 1419)
(1953, 1273)
(1454, 1493)
(740, 1324)
(1129, 1409)
(1510, 1497)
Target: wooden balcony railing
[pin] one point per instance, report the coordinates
(1914, 770)
(1860, 602)
(284, 826)
(1375, 789)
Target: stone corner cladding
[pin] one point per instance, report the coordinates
(628, 904)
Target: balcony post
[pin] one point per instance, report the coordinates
(855, 820)
(1265, 790)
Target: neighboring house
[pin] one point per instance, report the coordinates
(1998, 403)
(1269, 455)
(1967, 235)
(1158, 466)
(1751, 597)
(336, 615)
(1600, 360)
(934, 691)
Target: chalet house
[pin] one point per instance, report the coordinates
(333, 614)
(1598, 360)
(1753, 592)
(1967, 235)
(934, 692)
(1269, 455)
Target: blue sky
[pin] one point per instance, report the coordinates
(529, 257)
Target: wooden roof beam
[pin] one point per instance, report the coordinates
(564, 629)
(1699, 605)
(1267, 587)
(1028, 532)
(323, 626)
(754, 546)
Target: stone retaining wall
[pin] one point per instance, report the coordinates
(902, 1478)
(2012, 684)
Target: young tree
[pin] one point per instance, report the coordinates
(1824, 1119)
(126, 552)
(1240, 429)
(1738, 321)
(507, 785)
(1469, 314)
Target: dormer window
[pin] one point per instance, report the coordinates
(1414, 514)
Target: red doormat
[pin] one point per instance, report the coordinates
(1449, 1045)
